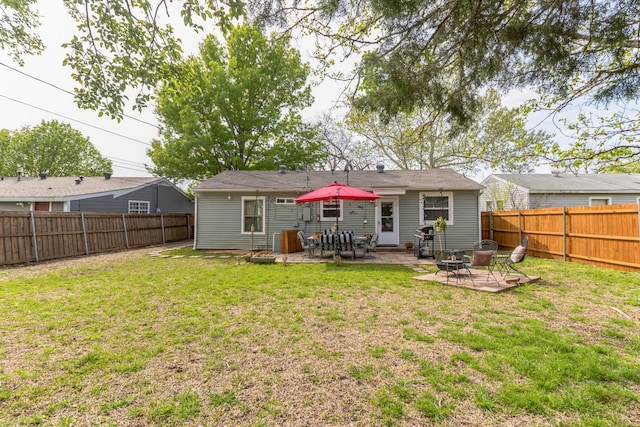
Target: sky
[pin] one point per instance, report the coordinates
(39, 91)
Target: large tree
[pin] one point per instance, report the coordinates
(236, 106)
(345, 149)
(495, 137)
(51, 147)
(566, 50)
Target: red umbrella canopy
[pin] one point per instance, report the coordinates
(336, 191)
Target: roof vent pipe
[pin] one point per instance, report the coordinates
(282, 169)
(107, 175)
(19, 175)
(43, 175)
(555, 173)
(78, 181)
(380, 167)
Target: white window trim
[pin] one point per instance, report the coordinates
(591, 199)
(285, 201)
(140, 203)
(331, 218)
(264, 214)
(448, 194)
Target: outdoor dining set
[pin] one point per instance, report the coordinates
(340, 243)
(485, 254)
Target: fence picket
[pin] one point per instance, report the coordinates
(607, 236)
(38, 236)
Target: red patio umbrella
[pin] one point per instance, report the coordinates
(336, 191)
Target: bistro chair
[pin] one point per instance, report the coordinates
(307, 244)
(484, 255)
(370, 246)
(509, 265)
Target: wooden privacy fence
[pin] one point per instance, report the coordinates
(607, 236)
(39, 236)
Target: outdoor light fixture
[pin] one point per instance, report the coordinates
(229, 196)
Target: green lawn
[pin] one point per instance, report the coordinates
(137, 340)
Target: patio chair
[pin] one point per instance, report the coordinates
(369, 246)
(347, 243)
(509, 265)
(307, 245)
(327, 243)
(484, 255)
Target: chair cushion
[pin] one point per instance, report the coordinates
(518, 254)
(482, 258)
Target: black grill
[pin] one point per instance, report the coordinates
(423, 242)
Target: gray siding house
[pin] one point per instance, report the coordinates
(93, 194)
(531, 191)
(228, 204)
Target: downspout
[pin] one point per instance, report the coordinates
(195, 224)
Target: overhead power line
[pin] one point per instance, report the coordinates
(69, 92)
(75, 120)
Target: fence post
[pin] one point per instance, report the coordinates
(519, 226)
(84, 234)
(162, 223)
(33, 233)
(126, 236)
(564, 233)
(491, 225)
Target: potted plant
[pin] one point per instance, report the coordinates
(440, 225)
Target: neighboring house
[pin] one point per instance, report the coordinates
(530, 191)
(93, 194)
(228, 204)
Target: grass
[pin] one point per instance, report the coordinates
(133, 340)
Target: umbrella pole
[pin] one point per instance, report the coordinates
(337, 236)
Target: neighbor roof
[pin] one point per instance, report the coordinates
(569, 183)
(373, 180)
(66, 188)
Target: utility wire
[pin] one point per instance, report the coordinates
(69, 92)
(75, 120)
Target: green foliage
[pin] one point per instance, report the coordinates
(441, 223)
(17, 24)
(51, 147)
(429, 138)
(235, 107)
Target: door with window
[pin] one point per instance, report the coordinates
(387, 221)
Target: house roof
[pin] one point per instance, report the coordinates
(570, 183)
(385, 182)
(66, 188)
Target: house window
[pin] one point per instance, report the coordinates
(42, 206)
(434, 205)
(599, 201)
(331, 210)
(253, 215)
(138, 206)
(285, 201)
